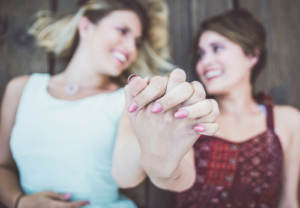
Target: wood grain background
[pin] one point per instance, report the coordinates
(19, 55)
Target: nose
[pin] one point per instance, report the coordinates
(207, 59)
(130, 45)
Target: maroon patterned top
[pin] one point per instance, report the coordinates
(237, 175)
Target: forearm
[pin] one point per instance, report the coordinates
(171, 175)
(127, 170)
(289, 200)
(10, 187)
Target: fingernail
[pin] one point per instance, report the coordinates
(67, 196)
(156, 108)
(199, 128)
(133, 107)
(147, 80)
(87, 203)
(131, 77)
(180, 114)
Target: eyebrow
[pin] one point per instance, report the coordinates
(216, 42)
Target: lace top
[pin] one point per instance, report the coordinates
(237, 175)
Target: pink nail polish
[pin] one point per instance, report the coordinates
(87, 203)
(156, 108)
(67, 196)
(180, 114)
(131, 77)
(133, 107)
(199, 129)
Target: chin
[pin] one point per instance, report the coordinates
(216, 91)
(116, 72)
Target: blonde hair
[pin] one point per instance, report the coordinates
(59, 34)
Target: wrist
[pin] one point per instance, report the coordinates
(159, 167)
(18, 199)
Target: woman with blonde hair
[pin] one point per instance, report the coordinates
(58, 133)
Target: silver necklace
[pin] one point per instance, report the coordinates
(71, 89)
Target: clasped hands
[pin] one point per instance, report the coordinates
(168, 115)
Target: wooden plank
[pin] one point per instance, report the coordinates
(281, 75)
(185, 18)
(18, 53)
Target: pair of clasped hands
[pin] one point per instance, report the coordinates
(169, 114)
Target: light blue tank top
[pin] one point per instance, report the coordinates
(67, 146)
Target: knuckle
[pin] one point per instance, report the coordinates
(215, 107)
(135, 86)
(178, 75)
(178, 70)
(210, 105)
(197, 85)
(158, 84)
(156, 79)
(187, 88)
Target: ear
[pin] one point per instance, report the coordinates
(254, 58)
(84, 26)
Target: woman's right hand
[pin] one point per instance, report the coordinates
(48, 199)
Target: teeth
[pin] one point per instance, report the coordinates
(120, 56)
(213, 73)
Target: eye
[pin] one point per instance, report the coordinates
(217, 48)
(123, 30)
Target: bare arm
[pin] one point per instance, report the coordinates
(162, 143)
(292, 160)
(127, 170)
(10, 187)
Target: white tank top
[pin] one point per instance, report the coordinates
(67, 146)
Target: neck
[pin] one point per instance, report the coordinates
(238, 100)
(80, 73)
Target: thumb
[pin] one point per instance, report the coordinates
(57, 196)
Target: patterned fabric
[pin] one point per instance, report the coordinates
(237, 175)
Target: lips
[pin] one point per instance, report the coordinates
(210, 74)
(121, 57)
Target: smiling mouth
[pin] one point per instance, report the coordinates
(120, 57)
(212, 74)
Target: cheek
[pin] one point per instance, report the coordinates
(134, 56)
(199, 69)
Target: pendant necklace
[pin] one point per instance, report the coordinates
(71, 89)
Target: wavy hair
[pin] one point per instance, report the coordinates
(58, 34)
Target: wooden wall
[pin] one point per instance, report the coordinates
(18, 54)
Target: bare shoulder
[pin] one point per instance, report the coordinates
(287, 119)
(13, 91)
(288, 114)
(17, 84)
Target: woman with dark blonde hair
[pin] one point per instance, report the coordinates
(59, 139)
(254, 158)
